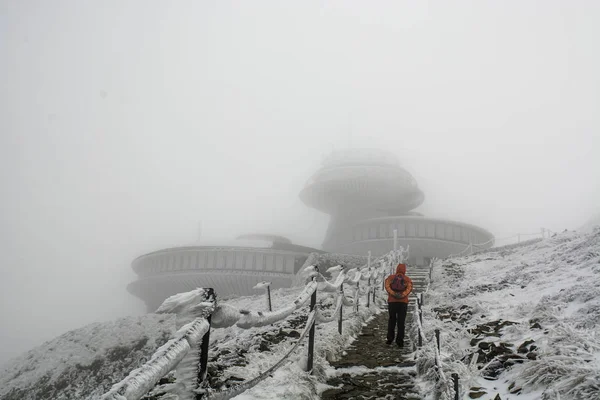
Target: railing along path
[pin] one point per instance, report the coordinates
(475, 247)
(201, 309)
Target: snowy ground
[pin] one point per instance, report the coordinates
(262, 347)
(521, 321)
(83, 364)
(524, 317)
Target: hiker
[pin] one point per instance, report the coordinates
(398, 287)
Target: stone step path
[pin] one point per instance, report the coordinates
(373, 370)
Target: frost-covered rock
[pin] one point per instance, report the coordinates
(84, 363)
(589, 226)
(521, 319)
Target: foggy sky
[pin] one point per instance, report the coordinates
(124, 123)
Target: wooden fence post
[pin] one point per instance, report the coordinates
(369, 289)
(341, 309)
(269, 296)
(455, 379)
(373, 295)
(311, 334)
(437, 340)
(369, 280)
(395, 247)
(420, 311)
(431, 271)
(203, 349)
(357, 296)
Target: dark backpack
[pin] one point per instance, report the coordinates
(398, 284)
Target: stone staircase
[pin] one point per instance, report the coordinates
(420, 279)
(384, 372)
(372, 370)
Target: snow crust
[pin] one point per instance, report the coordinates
(244, 338)
(549, 289)
(83, 363)
(554, 283)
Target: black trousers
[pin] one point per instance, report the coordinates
(397, 313)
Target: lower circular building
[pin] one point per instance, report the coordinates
(232, 267)
(367, 194)
(426, 238)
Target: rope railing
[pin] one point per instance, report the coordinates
(201, 306)
(232, 392)
(203, 312)
(473, 247)
(140, 381)
(442, 383)
(317, 316)
(338, 306)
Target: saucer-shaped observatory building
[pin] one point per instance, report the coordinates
(369, 195)
(231, 267)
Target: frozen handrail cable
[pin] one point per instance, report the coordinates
(201, 307)
(141, 380)
(236, 390)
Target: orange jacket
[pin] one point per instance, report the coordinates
(403, 297)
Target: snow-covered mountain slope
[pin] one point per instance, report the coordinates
(84, 363)
(589, 226)
(521, 322)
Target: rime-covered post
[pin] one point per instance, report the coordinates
(373, 295)
(357, 296)
(342, 308)
(203, 348)
(311, 334)
(267, 287)
(369, 289)
(420, 312)
(430, 270)
(455, 380)
(203, 360)
(395, 248)
(421, 296)
(369, 280)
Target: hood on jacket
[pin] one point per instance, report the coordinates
(401, 269)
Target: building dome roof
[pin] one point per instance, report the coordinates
(360, 157)
(362, 179)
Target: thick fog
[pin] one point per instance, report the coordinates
(125, 123)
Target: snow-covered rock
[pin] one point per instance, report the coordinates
(589, 226)
(84, 363)
(521, 319)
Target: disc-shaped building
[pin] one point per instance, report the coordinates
(369, 195)
(231, 267)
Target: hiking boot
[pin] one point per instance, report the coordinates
(388, 342)
(400, 344)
